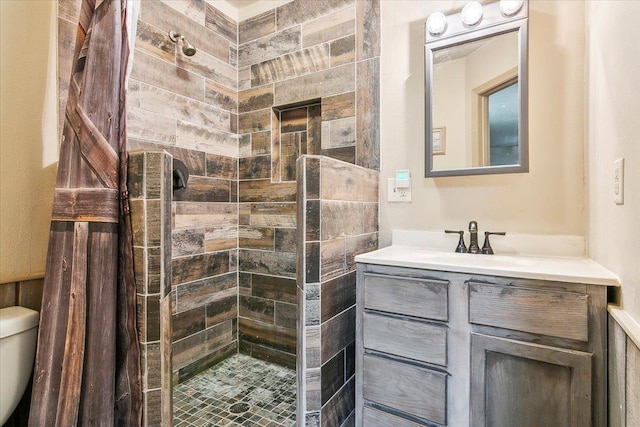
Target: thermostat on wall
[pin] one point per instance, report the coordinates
(403, 179)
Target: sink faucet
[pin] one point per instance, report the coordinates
(473, 244)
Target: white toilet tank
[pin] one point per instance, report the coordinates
(18, 337)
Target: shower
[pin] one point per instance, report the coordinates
(187, 48)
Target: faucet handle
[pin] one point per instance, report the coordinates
(486, 247)
(461, 248)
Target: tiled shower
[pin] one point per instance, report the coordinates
(232, 263)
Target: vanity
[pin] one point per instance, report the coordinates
(449, 339)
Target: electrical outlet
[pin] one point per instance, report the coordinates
(618, 181)
(395, 194)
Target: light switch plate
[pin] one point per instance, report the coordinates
(618, 181)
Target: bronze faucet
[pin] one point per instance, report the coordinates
(473, 244)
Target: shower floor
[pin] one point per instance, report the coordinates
(239, 391)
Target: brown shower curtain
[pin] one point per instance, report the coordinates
(87, 364)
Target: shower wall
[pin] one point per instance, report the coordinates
(308, 84)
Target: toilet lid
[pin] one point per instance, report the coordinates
(14, 320)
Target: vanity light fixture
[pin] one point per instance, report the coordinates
(471, 14)
(436, 23)
(510, 7)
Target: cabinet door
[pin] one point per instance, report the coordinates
(528, 385)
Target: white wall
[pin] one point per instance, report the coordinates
(613, 131)
(550, 199)
(28, 135)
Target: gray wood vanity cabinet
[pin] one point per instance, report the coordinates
(454, 349)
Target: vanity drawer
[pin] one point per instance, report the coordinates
(407, 388)
(409, 296)
(421, 341)
(537, 311)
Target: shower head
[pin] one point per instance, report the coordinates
(187, 48)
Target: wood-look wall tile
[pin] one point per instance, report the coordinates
(220, 238)
(201, 189)
(368, 28)
(314, 129)
(317, 85)
(269, 47)
(138, 221)
(220, 96)
(198, 267)
(337, 295)
(221, 166)
(312, 230)
(337, 333)
(194, 347)
(244, 283)
(194, 215)
(149, 126)
(293, 120)
(258, 167)
(176, 106)
(267, 334)
(256, 238)
(244, 145)
(330, 27)
(255, 121)
(343, 51)
(265, 191)
(141, 317)
(341, 407)
(339, 106)
(368, 120)
(152, 324)
(312, 350)
(276, 288)
(344, 154)
(260, 144)
(187, 323)
(222, 310)
(139, 272)
(339, 133)
(312, 177)
(285, 239)
(273, 214)
(156, 72)
(233, 56)
(312, 305)
(357, 245)
(257, 308)
(256, 98)
(340, 181)
(272, 355)
(153, 226)
(298, 12)
(151, 369)
(290, 144)
(332, 258)
(193, 159)
(153, 174)
(258, 26)
(205, 291)
(135, 175)
(244, 78)
(286, 315)
(332, 376)
(350, 360)
(339, 218)
(155, 42)
(187, 242)
(370, 214)
(312, 262)
(221, 24)
(206, 139)
(192, 9)
(151, 414)
(313, 397)
(275, 146)
(244, 214)
(262, 262)
(233, 123)
(154, 258)
(295, 64)
(166, 18)
(210, 359)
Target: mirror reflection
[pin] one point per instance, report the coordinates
(478, 81)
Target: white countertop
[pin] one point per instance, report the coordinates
(561, 269)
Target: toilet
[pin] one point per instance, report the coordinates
(18, 337)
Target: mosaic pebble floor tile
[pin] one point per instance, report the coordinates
(239, 391)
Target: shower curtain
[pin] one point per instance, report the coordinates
(87, 364)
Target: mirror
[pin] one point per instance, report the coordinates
(476, 97)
